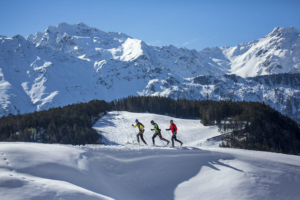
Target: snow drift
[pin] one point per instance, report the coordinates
(124, 171)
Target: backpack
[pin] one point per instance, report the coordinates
(158, 128)
(142, 125)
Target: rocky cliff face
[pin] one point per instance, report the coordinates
(77, 63)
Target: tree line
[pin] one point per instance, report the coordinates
(71, 124)
(246, 125)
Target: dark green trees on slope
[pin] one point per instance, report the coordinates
(68, 125)
(247, 125)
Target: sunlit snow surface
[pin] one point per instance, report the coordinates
(196, 170)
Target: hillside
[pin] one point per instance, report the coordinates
(123, 171)
(246, 125)
(120, 130)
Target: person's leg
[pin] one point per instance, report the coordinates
(160, 136)
(142, 137)
(155, 134)
(177, 139)
(137, 136)
(173, 137)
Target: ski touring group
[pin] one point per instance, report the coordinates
(157, 132)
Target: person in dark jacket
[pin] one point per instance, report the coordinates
(173, 128)
(141, 132)
(157, 133)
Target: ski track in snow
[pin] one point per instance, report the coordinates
(197, 170)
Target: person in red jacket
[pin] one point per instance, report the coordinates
(173, 128)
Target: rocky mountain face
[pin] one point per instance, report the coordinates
(76, 63)
(280, 91)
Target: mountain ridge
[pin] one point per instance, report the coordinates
(76, 63)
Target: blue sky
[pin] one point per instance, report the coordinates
(195, 24)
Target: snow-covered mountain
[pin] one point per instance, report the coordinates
(77, 63)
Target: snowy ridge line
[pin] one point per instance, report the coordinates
(47, 69)
(126, 185)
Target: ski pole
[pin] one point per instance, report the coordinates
(162, 141)
(159, 139)
(169, 134)
(180, 139)
(135, 134)
(146, 139)
(171, 138)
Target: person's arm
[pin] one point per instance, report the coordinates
(169, 128)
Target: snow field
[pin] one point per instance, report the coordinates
(232, 174)
(116, 127)
(38, 171)
(131, 172)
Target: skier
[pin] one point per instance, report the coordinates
(141, 131)
(157, 133)
(173, 128)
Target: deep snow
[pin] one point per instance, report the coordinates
(123, 171)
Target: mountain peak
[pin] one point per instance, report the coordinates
(81, 24)
(280, 31)
(75, 29)
(19, 38)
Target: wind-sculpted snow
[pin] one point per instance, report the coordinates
(76, 63)
(118, 170)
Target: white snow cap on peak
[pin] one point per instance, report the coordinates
(278, 31)
(19, 38)
(82, 24)
(81, 29)
(71, 29)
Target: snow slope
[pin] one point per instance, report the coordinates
(129, 172)
(121, 131)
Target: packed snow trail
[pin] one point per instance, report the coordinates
(118, 125)
(131, 172)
